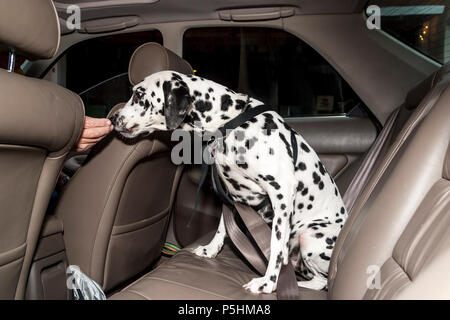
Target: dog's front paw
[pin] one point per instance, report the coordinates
(260, 285)
(206, 251)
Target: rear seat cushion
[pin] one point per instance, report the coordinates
(186, 276)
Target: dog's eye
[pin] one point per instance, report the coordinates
(135, 98)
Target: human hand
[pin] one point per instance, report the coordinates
(94, 130)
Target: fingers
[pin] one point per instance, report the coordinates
(96, 122)
(83, 147)
(94, 130)
(94, 133)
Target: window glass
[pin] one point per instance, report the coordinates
(271, 65)
(423, 25)
(97, 69)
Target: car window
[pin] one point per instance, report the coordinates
(97, 69)
(271, 65)
(423, 25)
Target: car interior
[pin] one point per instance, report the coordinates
(325, 66)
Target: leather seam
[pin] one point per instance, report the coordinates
(131, 227)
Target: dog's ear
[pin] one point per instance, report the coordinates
(176, 103)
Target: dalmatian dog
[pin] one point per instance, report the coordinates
(255, 160)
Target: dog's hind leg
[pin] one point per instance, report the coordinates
(212, 249)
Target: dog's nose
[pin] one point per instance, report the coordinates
(113, 118)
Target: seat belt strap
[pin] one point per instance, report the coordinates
(362, 175)
(287, 288)
(241, 241)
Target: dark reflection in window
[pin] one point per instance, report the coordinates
(271, 65)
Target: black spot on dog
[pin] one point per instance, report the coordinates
(309, 207)
(275, 185)
(302, 166)
(269, 124)
(208, 119)
(283, 206)
(268, 214)
(278, 234)
(203, 106)
(226, 102)
(324, 256)
(316, 178)
(305, 192)
(224, 117)
(300, 206)
(287, 145)
(210, 90)
(240, 104)
(305, 147)
(321, 168)
(249, 143)
(280, 196)
(273, 278)
(240, 135)
(234, 183)
(300, 186)
(197, 93)
(243, 165)
(271, 152)
(245, 125)
(319, 235)
(342, 210)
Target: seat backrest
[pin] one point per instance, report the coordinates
(115, 209)
(395, 242)
(39, 123)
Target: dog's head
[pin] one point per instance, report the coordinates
(160, 102)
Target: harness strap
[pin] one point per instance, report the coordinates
(218, 188)
(243, 117)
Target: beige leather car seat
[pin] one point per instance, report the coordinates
(395, 244)
(39, 123)
(115, 209)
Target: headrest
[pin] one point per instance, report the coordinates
(30, 27)
(152, 57)
(39, 113)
